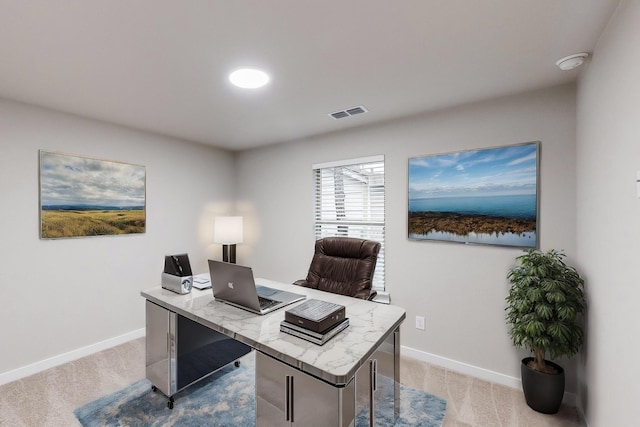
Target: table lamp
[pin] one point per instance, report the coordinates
(227, 230)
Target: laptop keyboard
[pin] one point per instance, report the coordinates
(267, 303)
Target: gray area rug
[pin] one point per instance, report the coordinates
(227, 398)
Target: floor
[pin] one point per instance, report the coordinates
(49, 398)
(472, 402)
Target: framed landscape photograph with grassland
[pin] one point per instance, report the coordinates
(82, 196)
(483, 196)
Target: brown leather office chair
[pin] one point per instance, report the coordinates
(343, 265)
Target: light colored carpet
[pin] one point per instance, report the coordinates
(49, 398)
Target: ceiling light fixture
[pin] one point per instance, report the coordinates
(249, 78)
(572, 61)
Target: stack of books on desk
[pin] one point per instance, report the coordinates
(314, 320)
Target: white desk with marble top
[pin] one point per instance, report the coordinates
(299, 382)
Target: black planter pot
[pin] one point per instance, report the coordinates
(543, 392)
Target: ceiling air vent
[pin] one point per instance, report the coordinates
(349, 112)
(356, 110)
(339, 115)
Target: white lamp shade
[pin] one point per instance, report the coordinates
(227, 230)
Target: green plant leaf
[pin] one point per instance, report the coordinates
(545, 311)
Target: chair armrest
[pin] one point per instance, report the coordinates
(363, 294)
(366, 294)
(302, 283)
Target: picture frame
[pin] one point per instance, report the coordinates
(481, 196)
(83, 196)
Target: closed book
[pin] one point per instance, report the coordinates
(318, 335)
(313, 337)
(315, 315)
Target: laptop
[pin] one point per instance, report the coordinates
(234, 285)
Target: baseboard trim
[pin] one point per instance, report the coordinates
(582, 419)
(474, 371)
(34, 368)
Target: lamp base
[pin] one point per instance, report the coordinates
(229, 253)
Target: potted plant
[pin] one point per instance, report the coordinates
(545, 301)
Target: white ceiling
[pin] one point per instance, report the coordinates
(162, 65)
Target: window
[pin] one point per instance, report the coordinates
(349, 201)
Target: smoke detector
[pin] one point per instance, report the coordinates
(572, 61)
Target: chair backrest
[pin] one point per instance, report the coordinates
(343, 265)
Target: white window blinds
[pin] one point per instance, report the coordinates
(349, 201)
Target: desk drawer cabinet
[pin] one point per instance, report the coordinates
(180, 352)
(286, 396)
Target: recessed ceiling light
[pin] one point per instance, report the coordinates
(249, 78)
(572, 61)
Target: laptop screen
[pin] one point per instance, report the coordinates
(234, 284)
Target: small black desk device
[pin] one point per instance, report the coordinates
(177, 265)
(177, 275)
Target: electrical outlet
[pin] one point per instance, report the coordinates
(420, 322)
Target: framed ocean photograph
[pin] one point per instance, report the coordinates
(82, 196)
(484, 196)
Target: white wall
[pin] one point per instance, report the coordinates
(61, 295)
(608, 231)
(460, 289)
